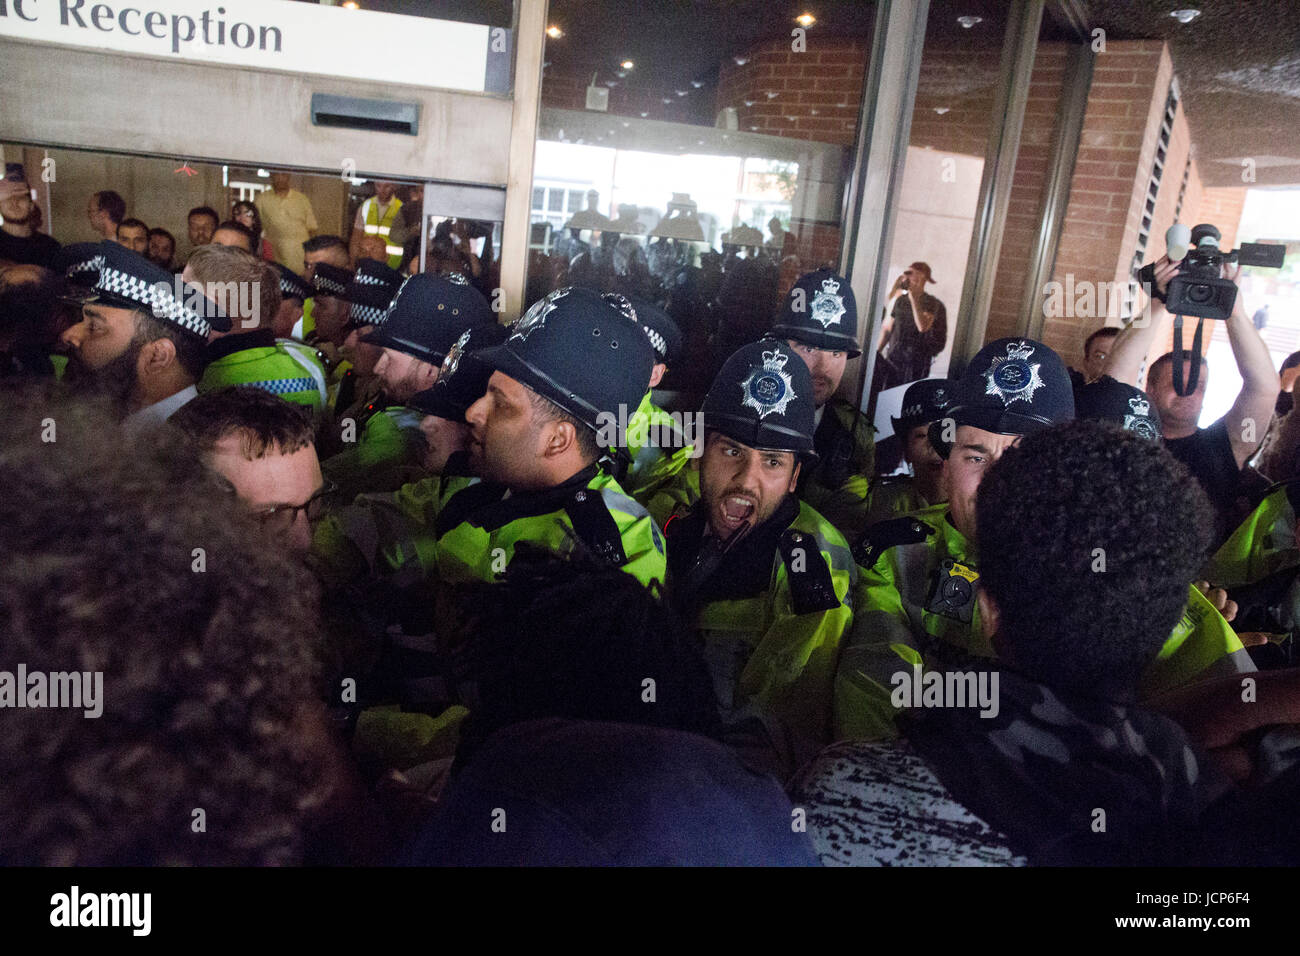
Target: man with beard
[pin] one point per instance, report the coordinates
(762, 576)
(137, 343)
(819, 320)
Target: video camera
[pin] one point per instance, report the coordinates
(1198, 289)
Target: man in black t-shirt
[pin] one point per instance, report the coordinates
(1216, 455)
(20, 243)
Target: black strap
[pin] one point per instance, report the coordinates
(1194, 373)
(883, 535)
(595, 526)
(811, 587)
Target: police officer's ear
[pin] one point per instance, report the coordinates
(560, 436)
(657, 374)
(990, 618)
(794, 478)
(157, 356)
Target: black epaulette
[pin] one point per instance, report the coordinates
(595, 526)
(326, 362)
(811, 588)
(883, 535)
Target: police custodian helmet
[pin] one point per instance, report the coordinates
(1011, 387)
(579, 351)
(820, 311)
(763, 398)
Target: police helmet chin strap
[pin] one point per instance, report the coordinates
(1193, 373)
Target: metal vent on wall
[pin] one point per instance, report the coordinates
(381, 116)
(1157, 173)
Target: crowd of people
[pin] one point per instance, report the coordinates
(370, 577)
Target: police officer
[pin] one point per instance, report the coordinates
(915, 599)
(142, 334)
(819, 320)
(250, 354)
(892, 495)
(763, 577)
(390, 535)
(375, 444)
(330, 284)
(657, 444)
(568, 366)
(294, 292)
(1203, 644)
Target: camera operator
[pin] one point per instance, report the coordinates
(1217, 455)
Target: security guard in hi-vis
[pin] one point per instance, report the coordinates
(558, 381)
(1202, 645)
(374, 445)
(764, 578)
(657, 444)
(890, 496)
(915, 599)
(390, 535)
(819, 320)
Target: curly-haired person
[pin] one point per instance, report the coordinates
(132, 569)
(1088, 537)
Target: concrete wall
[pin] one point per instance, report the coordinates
(229, 114)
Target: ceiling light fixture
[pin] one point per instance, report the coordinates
(627, 64)
(351, 5)
(805, 19)
(968, 22)
(554, 32)
(740, 60)
(1185, 16)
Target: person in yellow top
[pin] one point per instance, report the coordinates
(375, 217)
(287, 218)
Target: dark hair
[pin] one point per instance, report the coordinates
(266, 421)
(191, 349)
(1168, 359)
(588, 447)
(1089, 537)
(593, 635)
(111, 203)
(204, 211)
(256, 229)
(132, 224)
(203, 685)
(26, 308)
(1105, 330)
(232, 225)
(1291, 361)
(321, 243)
(156, 231)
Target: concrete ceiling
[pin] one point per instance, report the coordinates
(1238, 68)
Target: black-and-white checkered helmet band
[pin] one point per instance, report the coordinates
(367, 314)
(158, 299)
(326, 284)
(657, 342)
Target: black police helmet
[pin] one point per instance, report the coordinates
(292, 285)
(763, 398)
(464, 377)
(820, 311)
(923, 402)
(1013, 386)
(1110, 400)
(664, 335)
(428, 316)
(579, 351)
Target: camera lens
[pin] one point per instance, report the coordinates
(1200, 294)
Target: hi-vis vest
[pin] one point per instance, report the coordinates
(376, 226)
(916, 606)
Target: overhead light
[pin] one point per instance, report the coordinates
(627, 64)
(697, 83)
(680, 92)
(264, 174)
(968, 22)
(351, 5)
(554, 32)
(1185, 16)
(805, 19)
(740, 60)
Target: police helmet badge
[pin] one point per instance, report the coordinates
(1140, 421)
(456, 278)
(1014, 378)
(769, 387)
(827, 305)
(450, 363)
(535, 317)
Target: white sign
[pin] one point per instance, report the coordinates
(265, 34)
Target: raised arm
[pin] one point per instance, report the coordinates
(1249, 416)
(1133, 344)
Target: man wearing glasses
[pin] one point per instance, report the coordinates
(264, 446)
